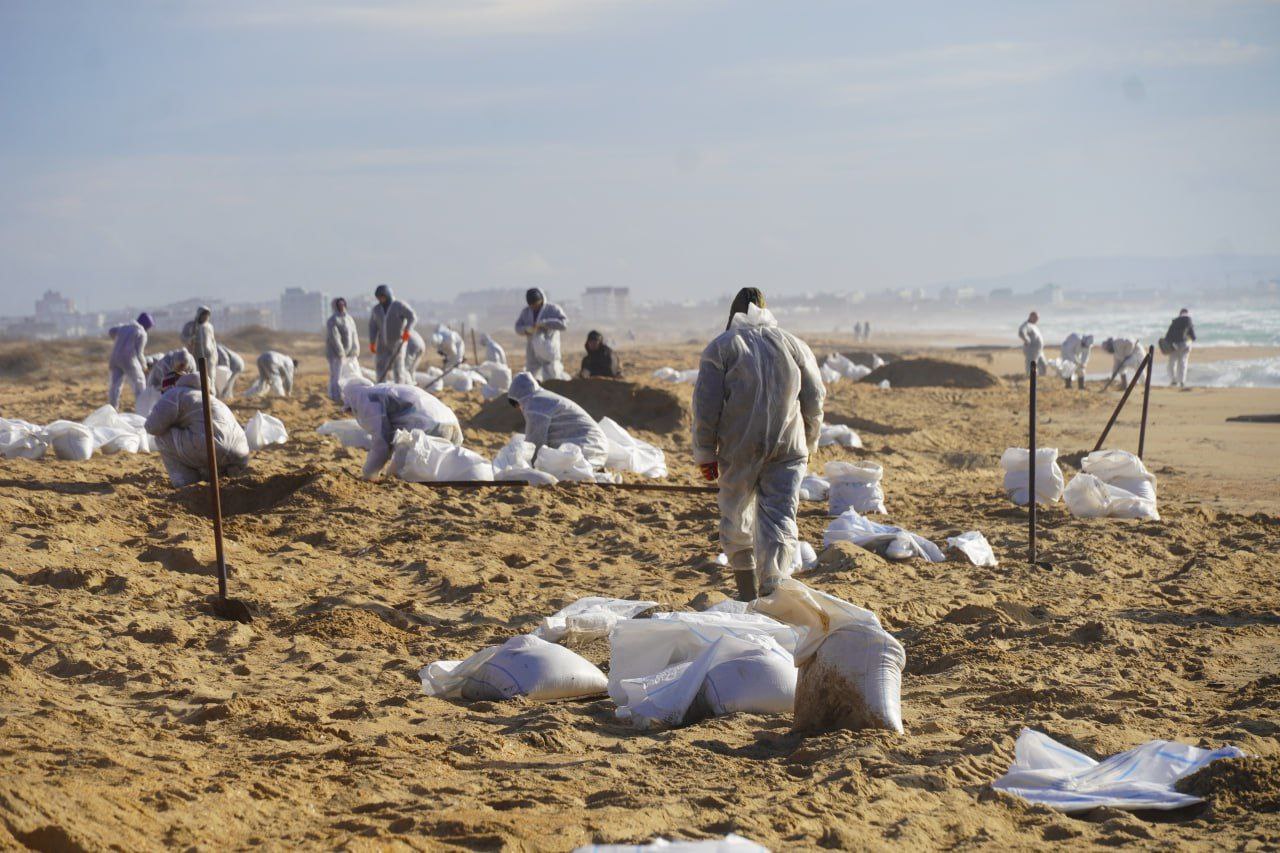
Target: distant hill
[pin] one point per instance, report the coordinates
(1132, 273)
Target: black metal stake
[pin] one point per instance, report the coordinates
(1031, 472)
(226, 608)
(1124, 399)
(1146, 398)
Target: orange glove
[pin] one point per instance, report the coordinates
(404, 336)
(710, 471)
(373, 347)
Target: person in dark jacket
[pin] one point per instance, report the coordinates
(1179, 337)
(600, 359)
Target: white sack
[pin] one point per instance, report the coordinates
(114, 433)
(627, 453)
(348, 432)
(829, 376)
(348, 369)
(846, 367)
(263, 430)
(840, 434)
(814, 488)
(525, 475)
(522, 666)
(565, 462)
(670, 374)
(1086, 496)
(854, 485)
(70, 440)
(21, 440)
(890, 540)
(497, 379)
(1049, 481)
(1122, 469)
(1052, 774)
(589, 618)
(730, 844)
(420, 458)
(974, 546)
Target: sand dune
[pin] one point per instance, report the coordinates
(130, 717)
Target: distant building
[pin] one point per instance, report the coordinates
(56, 317)
(239, 316)
(606, 304)
(1049, 294)
(53, 305)
(302, 310)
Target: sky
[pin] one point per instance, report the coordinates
(152, 151)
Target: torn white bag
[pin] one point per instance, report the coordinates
(891, 541)
(21, 439)
(1053, 774)
(522, 666)
(1086, 496)
(975, 548)
(589, 618)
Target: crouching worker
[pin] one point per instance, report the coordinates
(383, 409)
(177, 422)
(275, 367)
(1075, 357)
(757, 415)
(551, 420)
(600, 359)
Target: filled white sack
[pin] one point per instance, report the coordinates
(838, 434)
(846, 367)
(749, 673)
(854, 485)
(1053, 774)
(70, 440)
(850, 667)
(814, 488)
(497, 379)
(348, 432)
(114, 432)
(22, 439)
(1121, 469)
(565, 462)
(264, 430)
(1086, 496)
(829, 376)
(729, 844)
(420, 458)
(670, 374)
(522, 666)
(589, 618)
(628, 453)
(1049, 481)
(974, 546)
(889, 540)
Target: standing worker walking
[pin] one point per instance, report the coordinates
(757, 415)
(389, 325)
(1179, 337)
(128, 358)
(1032, 344)
(341, 344)
(542, 322)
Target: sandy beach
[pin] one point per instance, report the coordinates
(131, 718)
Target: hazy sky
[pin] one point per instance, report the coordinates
(681, 147)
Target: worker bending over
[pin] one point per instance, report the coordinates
(551, 420)
(128, 360)
(383, 409)
(177, 422)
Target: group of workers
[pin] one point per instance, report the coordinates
(1126, 353)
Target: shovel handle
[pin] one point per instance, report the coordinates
(214, 494)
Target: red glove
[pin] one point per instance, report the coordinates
(404, 336)
(373, 347)
(710, 471)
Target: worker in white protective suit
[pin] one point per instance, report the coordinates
(177, 361)
(414, 349)
(390, 323)
(198, 336)
(1074, 354)
(128, 360)
(542, 322)
(757, 415)
(383, 409)
(177, 422)
(1032, 344)
(341, 345)
(275, 369)
(1126, 355)
(234, 363)
(450, 346)
(493, 350)
(551, 420)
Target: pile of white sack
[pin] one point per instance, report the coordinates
(1112, 484)
(465, 378)
(838, 367)
(105, 431)
(670, 374)
(797, 651)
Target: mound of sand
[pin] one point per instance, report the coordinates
(1237, 785)
(930, 372)
(633, 406)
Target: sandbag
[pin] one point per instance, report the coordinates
(546, 346)
(420, 458)
(589, 618)
(814, 488)
(565, 462)
(348, 432)
(116, 433)
(1049, 480)
(21, 440)
(888, 540)
(854, 485)
(670, 374)
(522, 666)
(264, 430)
(497, 378)
(1086, 496)
(729, 844)
(838, 434)
(974, 546)
(846, 367)
(627, 453)
(70, 440)
(1122, 469)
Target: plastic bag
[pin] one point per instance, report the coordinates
(814, 488)
(854, 486)
(751, 673)
(565, 462)
(850, 667)
(497, 378)
(974, 546)
(116, 433)
(21, 440)
(348, 432)
(589, 618)
(1086, 496)
(829, 376)
(1121, 469)
(522, 666)
(263, 430)
(890, 540)
(670, 374)
(730, 844)
(1049, 481)
(70, 440)
(420, 458)
(840, 434)
(1053, 774)
(846, 367)
(627, 453)
(546, 346)
(348, 369)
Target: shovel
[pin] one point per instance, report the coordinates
(224, 608)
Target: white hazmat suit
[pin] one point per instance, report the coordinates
(199, 337)
(1126, 355)
(383, 409)
(387, 327)
(1075, 357)
(543, 328)
(169, 363)
(450, 345)
(341, 343)
(177, 422)
(551, 420)
(1032, 347)
(234, 363)
(414, 349)
(757, 412)
(275, 367)
(128, 361)
(493, 350)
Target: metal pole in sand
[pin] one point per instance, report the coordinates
(1127, 391)
(227, 608)
(1146, 399)
(1031, 472)
(475, 350)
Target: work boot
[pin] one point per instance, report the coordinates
(1068, 381)
(746, 579)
